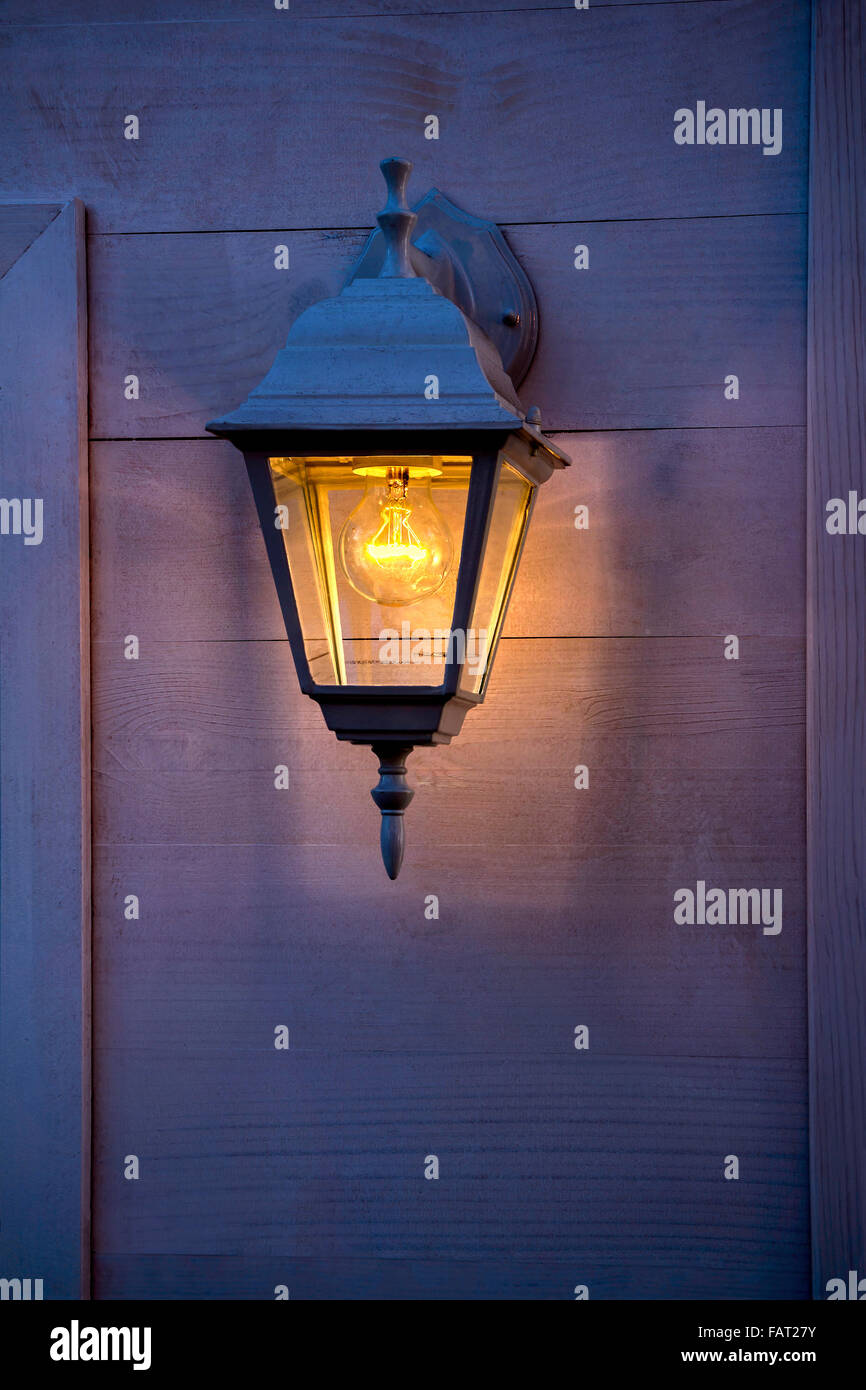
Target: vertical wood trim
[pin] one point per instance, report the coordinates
(86, 757)
(837, 646)
(45, 875)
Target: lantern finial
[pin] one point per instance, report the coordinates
(392, 796)
(396, 220)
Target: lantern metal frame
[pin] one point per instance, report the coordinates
(420, 714)
(310, 404)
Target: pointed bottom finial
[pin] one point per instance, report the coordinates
(392, 796)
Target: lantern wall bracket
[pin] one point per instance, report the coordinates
(468, 260)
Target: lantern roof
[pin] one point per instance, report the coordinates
(387, 353)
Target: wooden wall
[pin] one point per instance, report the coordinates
(45, 829)
(455, 1037)
(836, 656)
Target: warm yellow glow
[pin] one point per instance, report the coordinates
(400, 543)
(360, 542)
(398, 550)
(386, 556)
(383, 470)
(382, 553)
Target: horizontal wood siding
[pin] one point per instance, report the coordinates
(551, 114)
(137, 12)
(259, 907)
(684, 538)
(539, 1156)
(705, 298)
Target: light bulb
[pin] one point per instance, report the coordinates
(395, 547)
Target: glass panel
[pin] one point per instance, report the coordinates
(509, 519)
(373, 544)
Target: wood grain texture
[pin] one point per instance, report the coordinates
(695, 772)
(692, 532)
(259, 907)
(139, 12)
(718, 1273)
(594, 93)
(200, 319)
(45, 766)
(202, 726)
(20, 225)
(837, 656)
(536, 1154)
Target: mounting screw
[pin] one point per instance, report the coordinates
(533, 416)
(511, 318)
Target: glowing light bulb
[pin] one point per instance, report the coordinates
(395, 547)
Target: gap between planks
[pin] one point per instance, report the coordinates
(606, 429)
(542, 222)
(319, 19)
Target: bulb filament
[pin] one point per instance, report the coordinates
(395, 539)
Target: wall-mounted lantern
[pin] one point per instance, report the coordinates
(394, 471)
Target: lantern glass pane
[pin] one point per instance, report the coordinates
(509, 520)
(373, 546)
